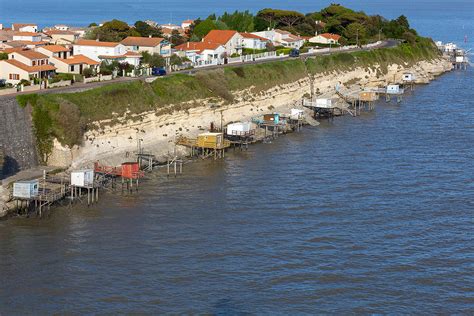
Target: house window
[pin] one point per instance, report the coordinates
(34, 62)
(14, 76)
(72, 68)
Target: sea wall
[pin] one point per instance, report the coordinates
(16, 138)
(113, 141)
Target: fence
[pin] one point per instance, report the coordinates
(63, 83)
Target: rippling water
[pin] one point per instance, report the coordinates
(361, 215)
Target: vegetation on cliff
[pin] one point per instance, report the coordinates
(66, 116)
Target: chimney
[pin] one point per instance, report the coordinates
(188, 44)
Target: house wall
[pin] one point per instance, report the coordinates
(93, 52)
(234, 44)
(254, 43)
(61, 39)
(6, 69)
(27, 38)
(29, 28)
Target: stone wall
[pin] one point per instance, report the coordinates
(16, 137)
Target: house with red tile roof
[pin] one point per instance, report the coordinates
(201, 51)
(27, 36)
(325, 38)
(253, 41)
(74, 64)
(25, 64)
(282, 38)
(151, 45)
(231, 40)
(57, 51)
(106, 51)
(62, 37)
(25, 27)
(186, 24)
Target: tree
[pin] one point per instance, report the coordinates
(176, 38)
(147, 30)
(93, 24)
(112, 31)
(154, 60)
(3, 56)
(239, 21)
(356, 33)
(403, 22)
(204, 27)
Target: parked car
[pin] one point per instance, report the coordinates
(158, 71)
(3, 83)
(295, 52)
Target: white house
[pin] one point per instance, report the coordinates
(282, 38)
(61, 27)
(25, 65)
(231, 40)
(62, 37)
(152, 45)
(74, 64)
(253, 41)
(25, 27)
(27, 36)
(325, 38)
(201, 51)
(57, 51)
(186, 24)
(93, 49)
(106, 51)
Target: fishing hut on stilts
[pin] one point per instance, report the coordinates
(240, 134)
(210, 144)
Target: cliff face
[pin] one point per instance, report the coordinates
(112, 142)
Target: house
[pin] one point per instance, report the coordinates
(56, 51)
(27, 36)
(74, 64)
(26, 64)
(231, 40)
(325, 38)
(186, 24)
(25, 27)
(282, 38)
(170, 26)
(253, 41)
(62, 37)
(61, 27)
(152, 45)
(130, 58)
(201, 51)
(23, 44)
(94, 48)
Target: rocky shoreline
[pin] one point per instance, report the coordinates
(112, 143)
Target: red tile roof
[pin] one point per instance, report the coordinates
(331, 36)
(17, 26)
(219, 36)
(142, 41)
(26, 34)
(83, 42)
(27, 68)
(59, 32)
(78, 59)
(250, 35)
(198, 46)
(56, 48)
(31, 54)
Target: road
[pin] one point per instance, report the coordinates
(87, 86)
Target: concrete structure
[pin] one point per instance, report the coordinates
(231, 40)
(151, 45)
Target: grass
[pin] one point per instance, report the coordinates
(67, 116)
